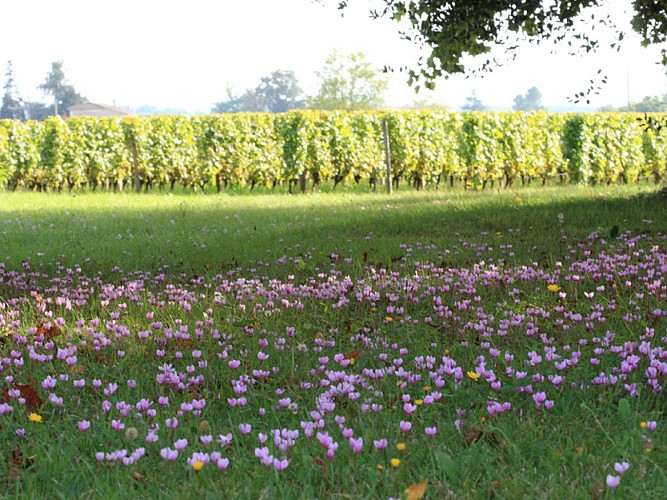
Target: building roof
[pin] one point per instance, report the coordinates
(94, 109)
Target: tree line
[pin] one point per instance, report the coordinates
(55, 85)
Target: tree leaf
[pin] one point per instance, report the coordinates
(32, 400)
(49, 330)
(416, 491)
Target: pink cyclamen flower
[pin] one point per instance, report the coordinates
(204, 458)
(169, 454)
(613, 481)
(222, 463)
(181, 444)
(56, 400)
(280, 464)
(405, 426)
(539, 399)
(83, 425)
(264, 456)
(430, 431)
(621, 467)
(651, 425)
(245, 428)
(380, 444)
(357, 444)
(225, 439)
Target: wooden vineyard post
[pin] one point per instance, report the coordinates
(387, 154)
(135, 162)
(302, 182)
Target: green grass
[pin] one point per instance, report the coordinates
(229, 261)
(194, 233)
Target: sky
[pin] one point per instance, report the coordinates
(184, 54)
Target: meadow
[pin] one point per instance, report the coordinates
(444, 344)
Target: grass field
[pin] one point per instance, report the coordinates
(334, 345)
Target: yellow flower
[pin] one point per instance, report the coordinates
(388, 319)
(642, 425)
(553, 288)
(473, 375)
(33, 417)
(446, 352)
(395, 462)
(198, 465)
(379, 467)
(419, 402)
(427, 388)
(400, 446)
(352, 361)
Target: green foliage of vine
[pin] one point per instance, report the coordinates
(261, 149)
(604, 147)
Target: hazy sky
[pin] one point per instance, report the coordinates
(178, 54)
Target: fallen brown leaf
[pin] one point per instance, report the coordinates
(32, 399)
(416, 491)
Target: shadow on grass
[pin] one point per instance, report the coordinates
(212, 234)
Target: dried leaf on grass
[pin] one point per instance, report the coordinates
(475, 434)
(353, 354)
(17, 462)
(47, 330)
(138, 477)
(32, 399)
(416, 491)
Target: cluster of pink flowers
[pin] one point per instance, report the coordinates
(190, 345)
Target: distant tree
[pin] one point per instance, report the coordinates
(427, 105)
(649, 104)
(473, 103)
(530, 101)
(454, 29)
(231, 105)
(277, 93)
(12, 105)
(38, 111)
(63, 93)
(607, 108)
(349, 81)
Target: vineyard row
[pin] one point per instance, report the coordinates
(269, 149)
